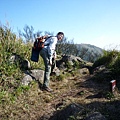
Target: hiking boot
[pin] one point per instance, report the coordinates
(47, 89)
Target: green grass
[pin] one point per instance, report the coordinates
(11, 73)
(17, 100)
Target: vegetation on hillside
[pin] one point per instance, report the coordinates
(17, 100)
(89, 52)
(11, 74)
(111, 59)
(85, 51)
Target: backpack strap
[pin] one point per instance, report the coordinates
(47, 39)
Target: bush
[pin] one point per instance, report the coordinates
(107, 59)
(116, 66)
(11, 74)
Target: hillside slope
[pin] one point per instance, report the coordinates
(89, 52)
(35, 104)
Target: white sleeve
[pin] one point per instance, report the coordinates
(51, 47)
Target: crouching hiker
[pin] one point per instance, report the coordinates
(47, 54)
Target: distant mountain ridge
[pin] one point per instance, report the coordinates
(89, 52)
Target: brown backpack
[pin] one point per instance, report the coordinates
(37, 46)
(39, 42)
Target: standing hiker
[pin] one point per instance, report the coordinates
(47, 54)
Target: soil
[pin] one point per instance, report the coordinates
(36, 104)
(94, 96)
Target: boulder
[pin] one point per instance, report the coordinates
(95, 116)
(26, 80)
(24, 64)
(32, 75)
(66, 113)
(72, 60)
(84, 71)
(37, 74)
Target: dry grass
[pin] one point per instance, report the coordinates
(34, 103)
(30, 103)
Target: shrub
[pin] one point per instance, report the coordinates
(11, 74)
(116, 66)
(107, 59)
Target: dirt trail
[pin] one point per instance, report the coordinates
(35, 104)
(75, 89)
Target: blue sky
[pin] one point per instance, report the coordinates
(95, 22)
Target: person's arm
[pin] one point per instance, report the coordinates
(51, 47)
(54, 55)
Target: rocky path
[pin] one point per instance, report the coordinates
(73, 90)
(84, 93)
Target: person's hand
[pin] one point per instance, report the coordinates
(54, 55)
(50, 61)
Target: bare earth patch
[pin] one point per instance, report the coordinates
(40, 105)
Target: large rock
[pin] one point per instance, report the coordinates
(71, 110)
(66, 58)
(37, 74)
(26, 80)
(71, 60)
(15, 59)
(95, 116)
(84, 71)
(25, 64)
(55, 71)
(32, 75)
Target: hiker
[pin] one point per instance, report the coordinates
(47, 54)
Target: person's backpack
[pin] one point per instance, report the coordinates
(37, 46)
(39, 43)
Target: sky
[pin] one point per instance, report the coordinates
(95, 22)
